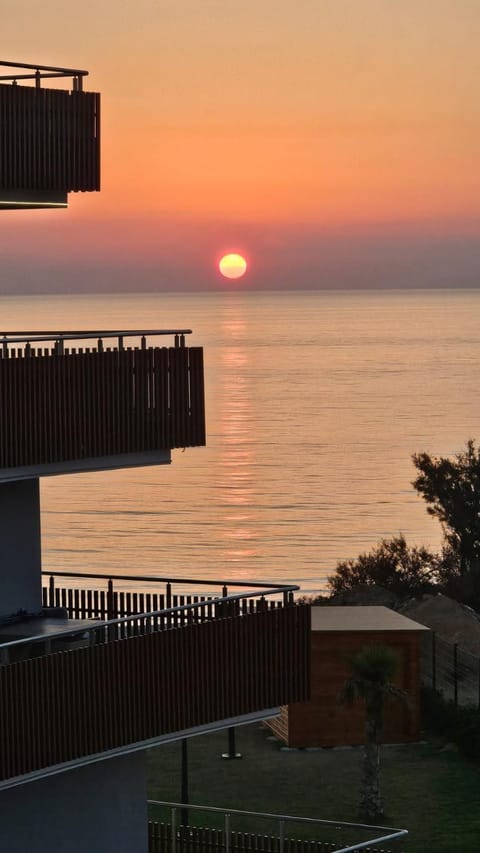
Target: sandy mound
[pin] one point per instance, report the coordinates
(452, 621)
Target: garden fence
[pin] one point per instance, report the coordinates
(452, 671)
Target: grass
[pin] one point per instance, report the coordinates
(431, 791)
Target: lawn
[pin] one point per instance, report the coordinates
(429, 790)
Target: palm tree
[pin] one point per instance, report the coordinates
(373, 668)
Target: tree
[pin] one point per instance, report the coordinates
(451, 489)
(393, 565)
(373, 668)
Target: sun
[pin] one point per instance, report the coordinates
(233, 265)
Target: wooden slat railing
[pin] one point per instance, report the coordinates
(50, 139)
(201, 839)
(56, 407)
(64, 706)
(117, 596)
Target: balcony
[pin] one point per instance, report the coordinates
(62, 405)
(136, 680)
(50, 140)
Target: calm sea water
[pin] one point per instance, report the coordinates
(315, 404)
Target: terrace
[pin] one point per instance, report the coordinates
(174, 664)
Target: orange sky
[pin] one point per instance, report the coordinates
(234, 123)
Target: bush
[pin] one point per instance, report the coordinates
(393, 565)
(461, 725)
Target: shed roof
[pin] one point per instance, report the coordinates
(361, 618)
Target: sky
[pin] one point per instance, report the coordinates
(334, 143)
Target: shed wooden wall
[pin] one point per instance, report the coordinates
(322, 721)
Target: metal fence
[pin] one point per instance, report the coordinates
(235, 834)
(452, 671)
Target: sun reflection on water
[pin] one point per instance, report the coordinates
(238, 452)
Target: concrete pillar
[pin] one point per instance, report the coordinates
(20, 547)
(96, 809)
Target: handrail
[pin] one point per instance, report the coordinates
(43, 71)
(37, 337)
(136, 617)
(393, 833)
(169, 579)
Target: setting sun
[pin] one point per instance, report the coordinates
(232, 266)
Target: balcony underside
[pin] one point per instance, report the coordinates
(119, 695)
(21, 199)
(79, 466)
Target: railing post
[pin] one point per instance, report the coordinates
(143, 342)
(110, 613)
(434, 661)
(120, 342)
(100, 345)
(168, 597)
(227, 832)
(478, 664)
(281, 835)
(51, 591)
(174, 830)
(455, 674)
(184, 795)
(37, 79)
(176, 342)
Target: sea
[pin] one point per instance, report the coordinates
(315, 403)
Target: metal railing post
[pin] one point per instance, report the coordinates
(455, 674)
(434, 661)
(51, 591)
(174, 829)
(281, 835)
(184, 796)
(227, 832)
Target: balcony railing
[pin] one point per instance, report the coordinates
(173, 835)
(50, 140)
(60, 403)
(121, 596)
(131, 681)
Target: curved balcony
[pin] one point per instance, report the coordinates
(93, 689)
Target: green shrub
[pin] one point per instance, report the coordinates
(461, 725)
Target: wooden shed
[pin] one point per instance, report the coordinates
(336, 634)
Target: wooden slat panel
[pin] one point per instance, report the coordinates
(49, 139)
(140, 688)
(55, 408)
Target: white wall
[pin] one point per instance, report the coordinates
(95, 809)
(20, 547)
